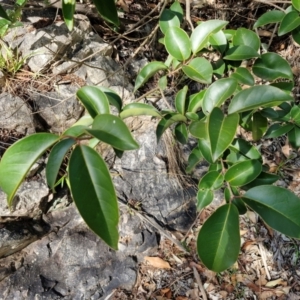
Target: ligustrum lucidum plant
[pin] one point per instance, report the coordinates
(212, 116)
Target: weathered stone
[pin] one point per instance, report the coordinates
(15, 114)
(58, 110)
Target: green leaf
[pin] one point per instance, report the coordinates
(112, 97)
(294, 137)
(245, 148)
(199, 69)
(68, 8)
(168, 19)
(198, 129)
(4, 25)
(108, 10)
(177, 43)
(221, 131)
(194, 158)
(246, 37)
(163, 82)
(94, 100)
(195, 101)
(19, 158)
(240, 205)
(205, 149)
(243, 76)
(296, 4)
(138, 109)
(181, 133)
(271, 66)
(200, 35)
(113, 131)
(295, 114)
(218, 41)
(219, 68)
(180, 100)
(212, 180)
(97, 201)
(243, 172)
(259, 126)
(192, 116)
(218, 241)
(177, 9)
(277, 129)
(273, 16)
(166, 122)
(55, 160)
(286, 86)
(204, 198)
(147, 72)
(75, 131)
(290, 22)
(257, 96)
(278, 207)
(217, 93)
(262, 179)
(3, 14)
(240, 53)
(296, 35)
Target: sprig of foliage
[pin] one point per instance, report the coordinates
(212, 116)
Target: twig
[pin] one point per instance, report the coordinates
(263, 257)
(187, 233)
(199, 282)
(272, 3)
(188, 13)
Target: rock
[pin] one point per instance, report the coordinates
(15, 114)
(58, 110)
(71, 262)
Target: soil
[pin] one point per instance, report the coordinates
(268, 266)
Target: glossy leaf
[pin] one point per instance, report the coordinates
(168, 19)
(198, 129)
(180, 100)
(113, 131)
(205, 149)
(94, 100)
(217, 93)
(218, 242)
(177, 9)
(55, 160)
(68, 9)
(294, 137)
(243, 76)
(259, 126)
(199, 69)
(296, 4)
(240, 53)
(271, 66)
(273, 16)
(245, 148)
(163, 82)
(277, 129)
(296, 35)
(177, 43)
(138, 109)
(212, 180)
(194, 158)
(166, 122)
(219, 68)
(262, 179)
(97, 201)
(200, 35)
(246, 37)
(192, 116)
(295, 114)
(221, 131)
(286, 86)
(181, 133)
(290, 22)
(195, 101)
(218, 41)
(278, 207)
(3, 14)
(113, 98)
(243, 172)
(19, 158)
(204, 198)
(147, 72)
(108, 10)
(75, 131)
(257, 96)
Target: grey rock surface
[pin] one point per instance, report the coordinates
(15, 114)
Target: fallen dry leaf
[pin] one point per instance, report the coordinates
(278, 281)
(266, 294)
(252, 216)
(181, 298)
(157, 262)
